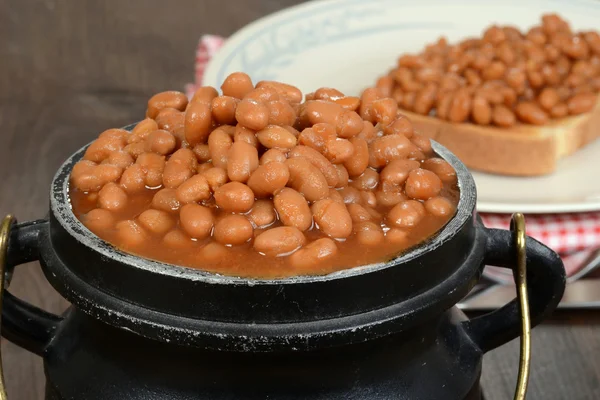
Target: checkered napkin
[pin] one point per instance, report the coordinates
(576, 236)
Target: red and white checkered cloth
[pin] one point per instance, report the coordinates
(574, 236)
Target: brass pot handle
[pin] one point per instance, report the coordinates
(517, 225)
(4, 236)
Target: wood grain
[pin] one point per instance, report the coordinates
(70, 69)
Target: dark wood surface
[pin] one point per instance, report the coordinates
(70, 69)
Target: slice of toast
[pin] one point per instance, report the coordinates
(523, 150)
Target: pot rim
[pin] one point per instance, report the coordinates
(60, 205)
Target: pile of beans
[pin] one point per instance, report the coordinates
(258, 182)
(502, 78)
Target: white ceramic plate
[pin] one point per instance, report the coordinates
(347, 44)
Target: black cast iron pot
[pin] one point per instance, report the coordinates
(141, 329)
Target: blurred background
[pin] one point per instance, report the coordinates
(71, 69)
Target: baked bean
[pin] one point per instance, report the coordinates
(314, 253)
(350, 195)
(384, 110)
(368, 132)
(396, 236)
(173, 121)
(223, 109)
(243, 134)
(439, 206)
(536, 79)
(509, 95)
(219, 143)
(317, 136)
(204, 95)
(142, 130)
(193, 190)
(406, 214)
(307, 179)
(318, 160)
(515, 78)
(268, 178)
(135, 149)
(441, 168)
(114, 133)
(335, 195)
(101, 148)
(263, 95)
(202, 152)
(166, 200)
(359, 161)
(423, 143)
(358, 213)
(252, 114)
(581, 103)
(368, 233)
(422, 184)
(133, 179)
(179, 168)
(262, 214)
(108, 173)
(272, 155)
(349, 123)
(293, 209)
(328, 94)
(424, 100)
(154, 165)
(238, 85)
(280, 241)
(349, 103)
(290, 93)
(274, 136)
(342, 174)
(548, 98)
(443, 106)
(385, 85)
(368, 198)
(177, 239)
(242, 160)
(560, 110)
(198, 123)
(389, 195)
(204, 167)
(169, 99)
(400, 126)
(216, 177)
(161, 142)
(388, 148)
(367, 98)
(234, 197)
(495, 70)
(575, 47)
(338, 151)
(502, 116)
(460, 107)
(332, 218)
(111, 197)
(130, 234)
(531, 113)
(120, 159)
(396, 172)
(281, 113)
(367, 181)
(482, 111)
(99, 220)
(196, 220)
(156, 221)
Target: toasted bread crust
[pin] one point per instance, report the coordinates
(523, 150)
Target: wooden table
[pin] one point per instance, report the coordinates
(70, 69)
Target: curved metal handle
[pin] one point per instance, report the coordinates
(540, 278)
(21, 323)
